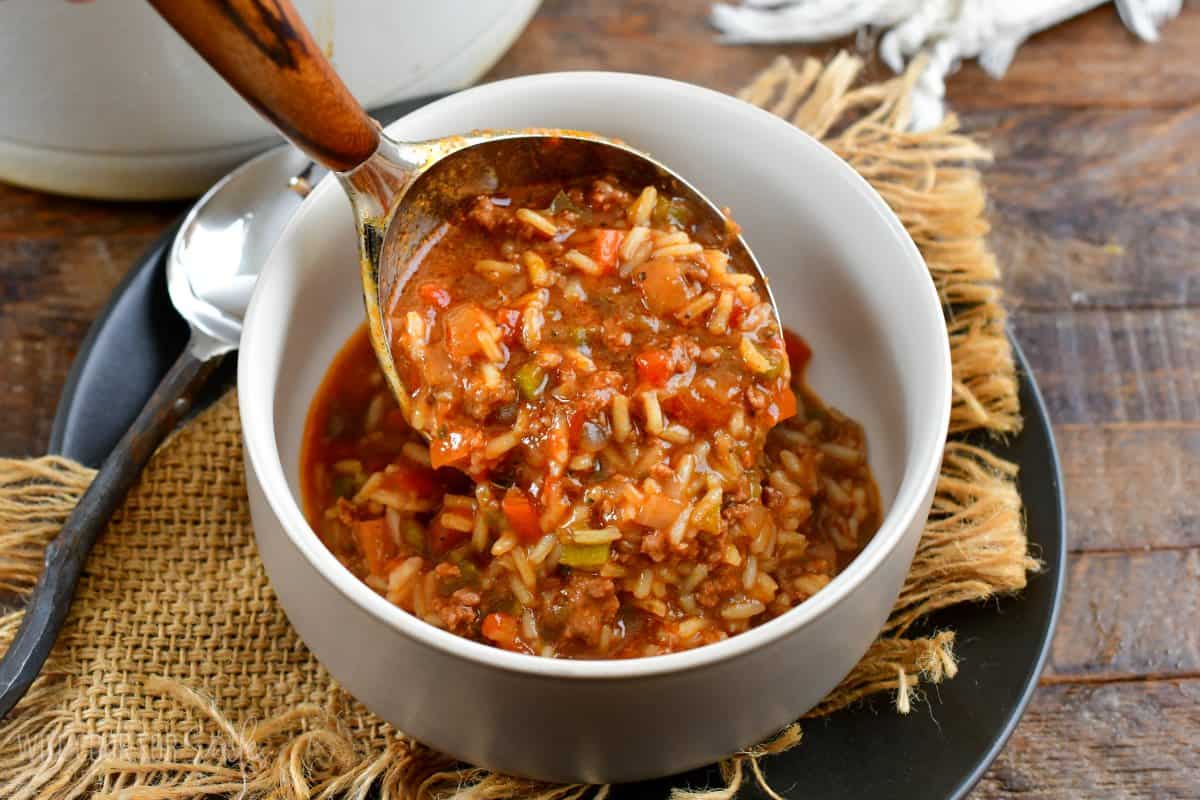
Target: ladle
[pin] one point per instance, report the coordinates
(400, 191)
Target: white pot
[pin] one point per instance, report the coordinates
(103, 99)
(847, 277)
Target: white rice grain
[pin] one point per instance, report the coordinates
(838, 452)
(524, 568)
(620, 418)
(505, 543)
(458, 522)
(641, 589)
(718, 321)
(639, 212)
(677, 250)
(584, 264)
(490, 345)
(537, 221)
(690, 627)
(653, 412)
(679, 527)
(633, 242)
(501, 444)
(480, 534)
(693, 579)
(535, 265)
(529, 625)
(750, 573)
(595, 535)
(694, 309)
(495, 270)
(520, 591)
(742, 609)
(532, 322)
(753, 357)
(676, 434)
(542, 549)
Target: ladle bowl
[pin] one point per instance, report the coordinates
(456, 169)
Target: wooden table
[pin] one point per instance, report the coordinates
(1095, 197)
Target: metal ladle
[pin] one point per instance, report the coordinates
(400, 191)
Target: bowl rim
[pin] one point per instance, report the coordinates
(263, 459)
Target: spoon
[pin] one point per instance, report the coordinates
(220, 247)
(400, 191)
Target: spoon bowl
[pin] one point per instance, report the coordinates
(224, 240)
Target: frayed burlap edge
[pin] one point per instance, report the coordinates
(931, 182)
(973, 547)
(32, 495)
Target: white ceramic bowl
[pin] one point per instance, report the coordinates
(847, 278)
(103, 99)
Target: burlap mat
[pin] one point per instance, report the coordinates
(177, 674)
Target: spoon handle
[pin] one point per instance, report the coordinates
(65, 555)
(265, 52)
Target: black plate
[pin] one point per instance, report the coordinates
(939, 751)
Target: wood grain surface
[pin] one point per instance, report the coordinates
(1095, 199)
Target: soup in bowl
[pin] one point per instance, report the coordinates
(591, 706)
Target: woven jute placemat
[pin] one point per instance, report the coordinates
(177, 674)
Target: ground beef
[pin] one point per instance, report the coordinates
(710, 592)
(654, 544)
(459, 611)
(593, 604)
(604, 195)
(481, 401)
(488, 215)
(616, 335)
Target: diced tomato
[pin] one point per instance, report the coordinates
(653, 367)
(575, 425)
(707, 402)
(522, 515)
(450, 449)
(736, 313)
(785, 405)
(374, 542)
(500, 627)
(605, 248)
(434, 294)
(695, 412)
(798, 352)
(410, 479)
(443, 539)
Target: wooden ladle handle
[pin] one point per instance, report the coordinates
(264, 50)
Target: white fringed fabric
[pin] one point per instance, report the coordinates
(949, 31)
